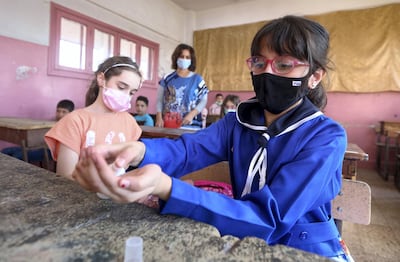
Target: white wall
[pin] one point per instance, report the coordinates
(261, 10)
(160, 21)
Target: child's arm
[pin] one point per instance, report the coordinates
(66, 161)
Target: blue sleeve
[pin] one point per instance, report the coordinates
(190, 152)
(202, 104)
(240, 218)
(202, 93)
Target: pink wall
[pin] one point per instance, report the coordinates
(358, 113)
(36, 96)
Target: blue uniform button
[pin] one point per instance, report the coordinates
(303, 235)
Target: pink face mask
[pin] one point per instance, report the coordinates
(116, 100)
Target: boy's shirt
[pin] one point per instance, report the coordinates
(144, 120)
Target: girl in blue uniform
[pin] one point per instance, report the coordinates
(285, 156)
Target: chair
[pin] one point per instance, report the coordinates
(386, 146)
(353, 203)
(397, 171)
(380, 145)
(211, 119)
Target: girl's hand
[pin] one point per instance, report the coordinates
(122, 154)
(94, 173)
(187, 120)
(159, 120)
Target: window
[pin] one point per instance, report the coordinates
(78, 44)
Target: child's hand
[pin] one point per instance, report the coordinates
(94, 174)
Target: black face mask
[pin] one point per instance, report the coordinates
(277, 93)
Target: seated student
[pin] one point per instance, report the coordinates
(104, 119)
(37, 155)
(229, 105)
(215, 108)
(64, 107)
(141, 116)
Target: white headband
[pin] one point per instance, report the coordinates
(118, 65)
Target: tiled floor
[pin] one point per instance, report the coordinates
(379, 241)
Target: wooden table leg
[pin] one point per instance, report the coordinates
(24, 151)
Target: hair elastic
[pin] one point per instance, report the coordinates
(118, 65)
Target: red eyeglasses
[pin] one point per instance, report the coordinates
(280, 65)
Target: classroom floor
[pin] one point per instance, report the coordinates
(379, 241)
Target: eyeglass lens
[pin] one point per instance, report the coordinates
(280, 64)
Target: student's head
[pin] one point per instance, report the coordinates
(184, 58)
(64, 107)
(289, 58)
(230, 104)
(219, 98)
(141, 105)
(116, 80)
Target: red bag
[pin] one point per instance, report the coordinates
(172, 120)
(215, 186)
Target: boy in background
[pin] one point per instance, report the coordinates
(215, 108)
(142, 117)
(64, 107)
(37, 155)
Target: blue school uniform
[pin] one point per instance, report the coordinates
(283, 176)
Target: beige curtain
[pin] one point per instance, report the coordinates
(365, 51)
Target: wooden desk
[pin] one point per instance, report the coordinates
(397, 162)
(159, 132)
(28, 133)
(388, 127)
(352, 155)
(49, 218)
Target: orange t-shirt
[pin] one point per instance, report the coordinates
(81, 128)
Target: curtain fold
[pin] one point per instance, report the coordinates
(365, 51)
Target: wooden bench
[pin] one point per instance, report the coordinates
(386, 135)
(397, 171)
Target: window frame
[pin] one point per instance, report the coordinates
(57, 12)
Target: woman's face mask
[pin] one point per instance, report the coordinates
(116, 100)
(183, 63)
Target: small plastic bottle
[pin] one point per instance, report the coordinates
(133, 249)
(119, 171)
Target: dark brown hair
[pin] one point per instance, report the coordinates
(143, 99)
(178, 52)
(301, 38)
(66, 104)
(233, 98)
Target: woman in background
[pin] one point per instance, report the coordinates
(182, 95)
